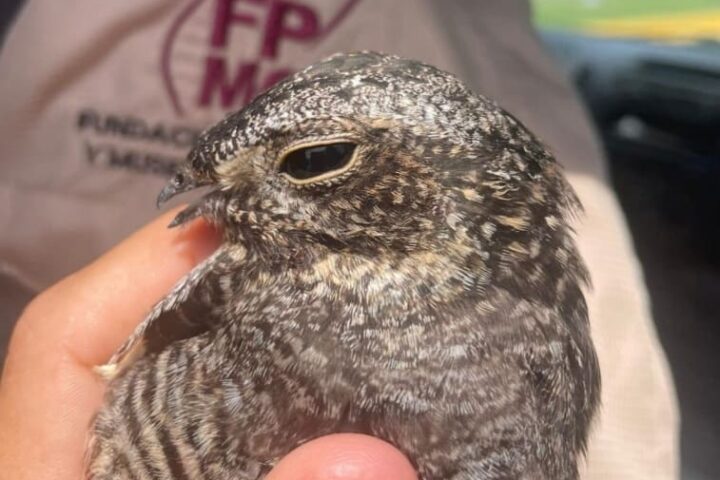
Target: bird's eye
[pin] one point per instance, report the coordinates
(310, 163)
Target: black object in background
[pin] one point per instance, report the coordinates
(657, 108)
(8, 11)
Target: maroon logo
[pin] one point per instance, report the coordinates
(230, 75)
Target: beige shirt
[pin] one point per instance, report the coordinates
(100, 99)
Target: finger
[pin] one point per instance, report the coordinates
(95, 309)
(344, 457)
(48, 393)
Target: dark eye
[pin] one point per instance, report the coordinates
(310, 162)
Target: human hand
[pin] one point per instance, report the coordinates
(49, 392)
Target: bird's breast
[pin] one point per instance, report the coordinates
(358, 329)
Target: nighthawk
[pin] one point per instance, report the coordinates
(397, 261)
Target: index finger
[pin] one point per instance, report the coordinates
(94, 310)
(47, 392)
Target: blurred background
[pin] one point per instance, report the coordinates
(649, 73)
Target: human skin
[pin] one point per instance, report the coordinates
(49, 391)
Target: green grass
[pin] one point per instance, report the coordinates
(574, 14)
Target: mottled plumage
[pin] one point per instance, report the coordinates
(427, 292)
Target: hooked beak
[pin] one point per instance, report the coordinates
(179, 183)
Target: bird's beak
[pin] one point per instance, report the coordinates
(179, 183)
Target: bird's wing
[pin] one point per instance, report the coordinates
(185, 312)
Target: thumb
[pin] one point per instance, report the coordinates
(344, 456)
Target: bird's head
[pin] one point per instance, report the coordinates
(366, 150)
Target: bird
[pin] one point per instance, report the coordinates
(398, 259)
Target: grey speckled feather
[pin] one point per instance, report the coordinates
(428, 292)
